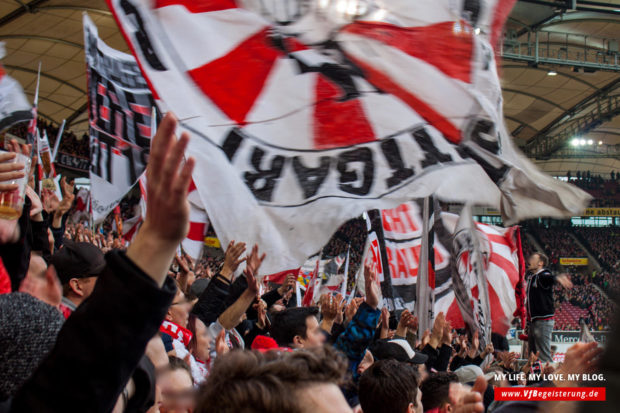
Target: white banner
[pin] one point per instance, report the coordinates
(304, 115)
(120, 108)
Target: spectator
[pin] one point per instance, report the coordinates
(78, 265)
(390, 387)
(298, 328)
(177, 387)
(302, 381)
(441, 392)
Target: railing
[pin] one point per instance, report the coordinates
(603, 109)
(557, 48)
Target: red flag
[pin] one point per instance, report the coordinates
(309, 297)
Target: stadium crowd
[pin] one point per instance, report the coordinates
(557, 243)
(588, 297)
(144, 329)
(601, 241)
(70, 143)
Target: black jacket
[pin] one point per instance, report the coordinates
(221, 294)
(438, 358)
(540, 295)
(212, 301)
(101, 344)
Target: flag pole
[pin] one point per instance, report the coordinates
(58, 138)
(343, 289)
(36, 92)
(423, 304)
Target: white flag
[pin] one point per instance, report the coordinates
(305, 119)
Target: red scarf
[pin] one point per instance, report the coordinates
(5, 279)
(176, 332)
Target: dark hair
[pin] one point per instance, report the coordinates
(175, 363)
(543, 258)
(436, 389)
(290, 323)
(388, 386)
(250, 381)
(191, 326)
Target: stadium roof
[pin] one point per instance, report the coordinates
(560, 70)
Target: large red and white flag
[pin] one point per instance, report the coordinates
(198, 224)
(499, 269)
(459, 279)
(306, 114)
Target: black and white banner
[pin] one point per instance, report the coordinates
(481, 295)
(77, 164)
(120, 105)
(395, 244)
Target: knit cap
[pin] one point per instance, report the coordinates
(28, 331)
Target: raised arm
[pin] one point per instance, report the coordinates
(230, 318)
(167, 212)
(100, 345)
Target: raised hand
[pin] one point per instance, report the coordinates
(288, 284)
(66, 188)
(50, 200)
(471, 402)
(426, 338)
(221, 347)
(489, 349)
(254, 261)
(437, 332)
(447, 334)
(530, 362)
(232, 258)
(581, 358)
(341, 303)
(351, 309)
(186, 276)
(329, 307)
(406, 319)
(507, 359)
(261, 308)
(13, 146)
(564, 280)
(475, 344)
(10, 171)
(384, 321)
(372, 286)
(67, 201)
(167, 214)
(185, 265)
(463, 344)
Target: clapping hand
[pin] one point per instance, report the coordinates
(232, 259)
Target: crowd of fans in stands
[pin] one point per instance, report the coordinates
(557, 243)
(146, 329)
(587, 180)
(70, 144)
(603, 243)
(604, 190)
(587, 295)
